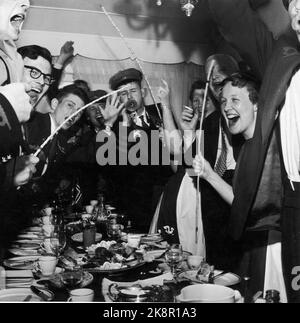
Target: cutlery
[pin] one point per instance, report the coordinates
(40, 293)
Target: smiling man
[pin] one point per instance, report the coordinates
(67, 101)
(37, 70)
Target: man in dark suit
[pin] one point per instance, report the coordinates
(139, 182)
(260, 195)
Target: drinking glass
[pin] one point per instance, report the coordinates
(58, 240)
(174, 256)
(72, 279)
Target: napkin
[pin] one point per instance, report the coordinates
(158, 280)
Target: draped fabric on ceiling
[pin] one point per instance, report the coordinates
(179, 76)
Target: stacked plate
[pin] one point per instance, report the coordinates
(18, 278)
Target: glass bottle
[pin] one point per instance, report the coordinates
(89, 234)
(272, 296)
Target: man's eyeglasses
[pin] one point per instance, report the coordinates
(36, 73)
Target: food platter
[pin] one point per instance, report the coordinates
(130, 266)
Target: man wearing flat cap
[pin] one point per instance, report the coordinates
(138, 197)
(276, 139)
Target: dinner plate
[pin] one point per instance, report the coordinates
(35, 229)
(130, 266)
(78, 237)
(228, 279)
(22, 252)
(151, 238)
(29, 241)
(56, 280)
(29, 235)
(26, 262)
(26, 246)
(20, 294)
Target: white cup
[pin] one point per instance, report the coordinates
(46, 219)
(46, 245)
(48, 229)
(48, 211)
(207, 293)
(81, 295)
(194, 262)
(133, 240)
(89, 209)
(47, 265)
(93, 203)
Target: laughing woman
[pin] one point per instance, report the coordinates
(261, 260)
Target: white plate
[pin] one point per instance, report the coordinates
(19, 295)
(26, 262)
(26, 241)
(22, 252)
(26, 246)
(228, 279)
(78, 237)
(35, 229)
(29, 235)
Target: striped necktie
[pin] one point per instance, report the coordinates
(221, 165)
(144, 124)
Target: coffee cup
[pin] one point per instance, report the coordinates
(46, 220)
(48, 229)
(89, 209)
(47, 211)
(46, 245)
(93, 203)
(81, 295)
(194, 262)
(208, 293)
(133, 240)
(46, 265)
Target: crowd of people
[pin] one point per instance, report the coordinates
(243, 215)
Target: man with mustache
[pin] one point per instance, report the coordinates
(276, 136)
(127, 113)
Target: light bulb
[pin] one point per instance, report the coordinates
(158, 2)
(188, 9)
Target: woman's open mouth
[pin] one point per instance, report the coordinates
(232, 119)
(16, 21)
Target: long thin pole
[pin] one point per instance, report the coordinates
(198, 204)
(71, 117)
(134, 57)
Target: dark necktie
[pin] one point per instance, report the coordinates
(221, 165)
(144, 124)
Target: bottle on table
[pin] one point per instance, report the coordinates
(272, 296)
(89, 234)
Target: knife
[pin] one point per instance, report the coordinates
(40, 294)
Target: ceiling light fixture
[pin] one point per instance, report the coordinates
(186, 5)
